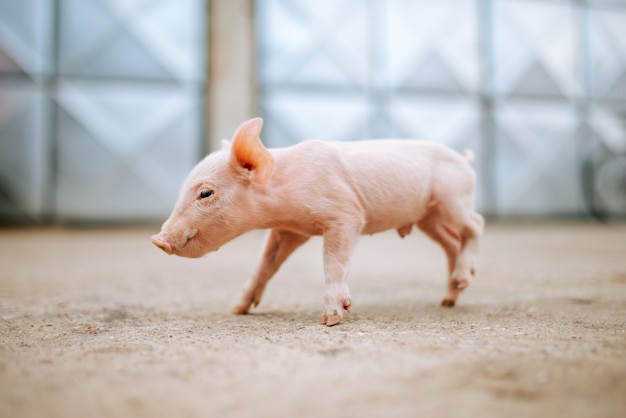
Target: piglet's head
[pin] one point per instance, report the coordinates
(217, 201)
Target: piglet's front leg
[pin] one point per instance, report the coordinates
(278, 246)
(338, 245)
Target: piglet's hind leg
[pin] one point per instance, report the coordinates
(451, 244)
(465, 267)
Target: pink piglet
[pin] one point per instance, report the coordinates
(338, 190)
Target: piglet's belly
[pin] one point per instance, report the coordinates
(375, 226)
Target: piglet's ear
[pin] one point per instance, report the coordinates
(248, 152)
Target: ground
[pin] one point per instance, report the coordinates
(99, 323)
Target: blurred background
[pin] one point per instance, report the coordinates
(105, 105)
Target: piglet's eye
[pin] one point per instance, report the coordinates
(206, 193)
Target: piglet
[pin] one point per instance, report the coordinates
(338, 190)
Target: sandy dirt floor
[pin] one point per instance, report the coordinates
(99, 323)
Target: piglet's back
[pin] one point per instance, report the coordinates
(395, 178)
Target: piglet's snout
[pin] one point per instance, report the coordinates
(162, 243)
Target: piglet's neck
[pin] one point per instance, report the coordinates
(272, 207)
(267, 208)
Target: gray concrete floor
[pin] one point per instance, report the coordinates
(100, 323)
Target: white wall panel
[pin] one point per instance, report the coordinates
(101, 106)
(606, 115)
(123, 147)
(536, 88)
(26, 29)
(24, 151)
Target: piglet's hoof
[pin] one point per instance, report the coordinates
(331, 320)
(335, 317)
(241, 309)
(456, 286)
